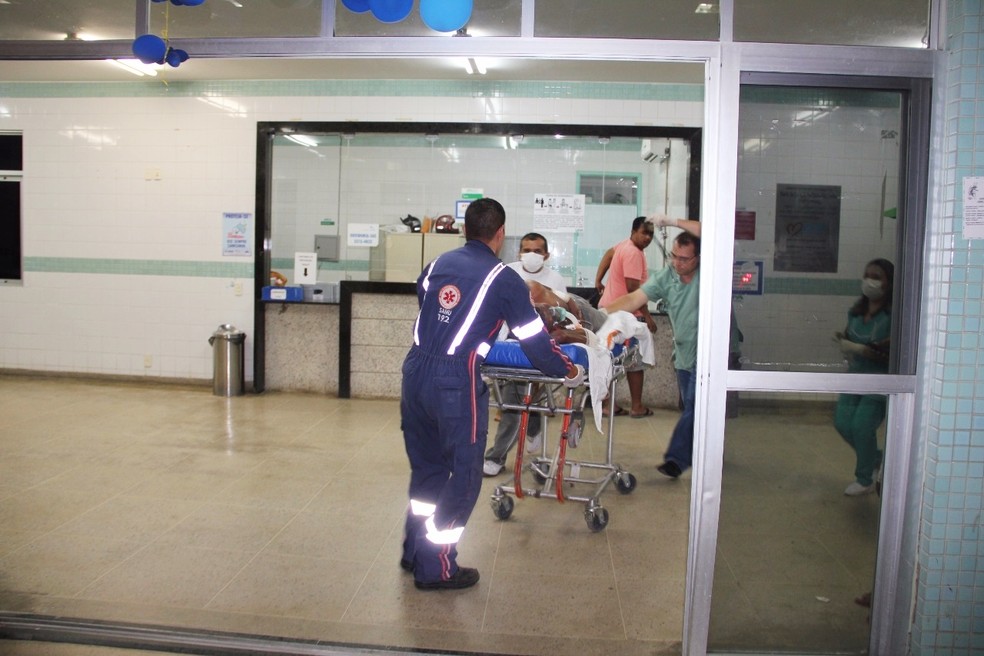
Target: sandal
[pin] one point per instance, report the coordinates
(618, 412)
(647, 413)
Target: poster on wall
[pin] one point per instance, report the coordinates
(973, 210)
(237, 234)
(560, 212)
(363, 234)
(745, 225)
(807, 228)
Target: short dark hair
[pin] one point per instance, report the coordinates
(637, 222)
(530, 236)
(483, 218)
(687, 239)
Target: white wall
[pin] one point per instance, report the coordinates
(125, 275)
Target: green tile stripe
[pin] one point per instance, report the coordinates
(357, 88)
(802, 286)
(824, 98)
(464, 141)
(284, 265)
(191, 269)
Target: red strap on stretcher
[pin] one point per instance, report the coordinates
(524, 418)
(562, 451)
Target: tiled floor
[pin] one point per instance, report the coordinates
(280, 514)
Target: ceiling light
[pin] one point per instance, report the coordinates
(134, 66)
(474, 65)
(706, 8)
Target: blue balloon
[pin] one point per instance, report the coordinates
(358, 6)
(390, 11)
(445, 15)
(150, 49)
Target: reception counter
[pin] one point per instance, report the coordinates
(354, 349)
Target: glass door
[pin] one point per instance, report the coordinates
(826, 260)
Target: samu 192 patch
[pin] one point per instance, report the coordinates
(449, 296)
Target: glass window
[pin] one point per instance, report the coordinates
(818, 191)
(900, 23)
(635, 19)
(236, 18)
(488, 18)
(323, 183)
(87, 20)
(800, 503)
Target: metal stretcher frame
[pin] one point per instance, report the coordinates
(554, 472)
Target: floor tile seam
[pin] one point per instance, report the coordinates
(255, 555)
(618, 589)
(378, 560)
(488, 595)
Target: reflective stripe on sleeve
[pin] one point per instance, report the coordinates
(476, 306)
(530, 329)
(483, 349)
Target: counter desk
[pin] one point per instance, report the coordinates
(355, 348)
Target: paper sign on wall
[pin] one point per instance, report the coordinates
(237, 234)
(563, 212)
(305, 268)
(363, 234)
(973, 210)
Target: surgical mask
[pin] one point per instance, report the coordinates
(532, 262)
(872, 288)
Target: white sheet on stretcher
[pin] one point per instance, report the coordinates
(619, 327)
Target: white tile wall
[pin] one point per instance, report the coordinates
(86, 196)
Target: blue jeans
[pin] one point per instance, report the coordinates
(681, 448)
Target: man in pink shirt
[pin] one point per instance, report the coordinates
(625, 264)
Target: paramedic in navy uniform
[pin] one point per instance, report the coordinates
(464, 295)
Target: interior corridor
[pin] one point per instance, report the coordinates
(280, 514)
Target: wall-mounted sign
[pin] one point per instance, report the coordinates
(745, 225)
(363, 234)
(459, 208)
(746, 277)
(237, 233)
(561, 212)
(973, 209)
(305, 268)
(807, 228)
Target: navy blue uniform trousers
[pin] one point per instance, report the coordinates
(444, 415)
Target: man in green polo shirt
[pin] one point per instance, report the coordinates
(678, 284)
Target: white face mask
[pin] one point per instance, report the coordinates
(872, 288)
(532, 262)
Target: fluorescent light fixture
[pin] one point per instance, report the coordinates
(474, 65)
(706, 8)
(134, 66)
(303, 140)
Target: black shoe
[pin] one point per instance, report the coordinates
(670, 469)
(465, 577)
(406, 565)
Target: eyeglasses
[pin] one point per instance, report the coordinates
(681, 260)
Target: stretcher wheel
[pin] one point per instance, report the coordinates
(503, 507)
(597, 518)
(625, 483)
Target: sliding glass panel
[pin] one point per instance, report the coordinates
(899, 23)
(817, 227)
(86, 20)
(488, 18)
(632, 19)
(238, 18)
(796, 553)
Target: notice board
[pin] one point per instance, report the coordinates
(807, 228)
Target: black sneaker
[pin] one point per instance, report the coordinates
(406, 565)
(465, 577)
(670, 469)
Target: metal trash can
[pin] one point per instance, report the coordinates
(227, 360)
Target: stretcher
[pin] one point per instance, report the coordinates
(557, 476)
